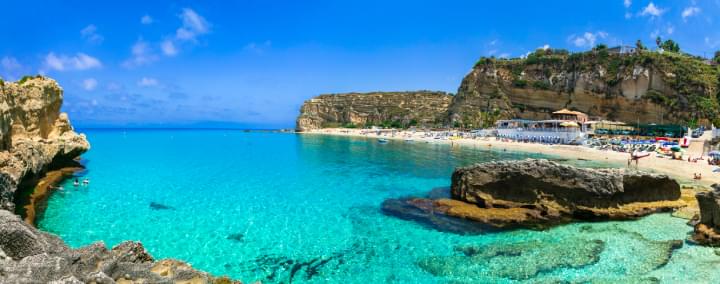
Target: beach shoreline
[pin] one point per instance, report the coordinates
(681, 170)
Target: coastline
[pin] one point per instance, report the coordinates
(680, 170)
(37, 200)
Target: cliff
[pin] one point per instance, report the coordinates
(37, 142)
(396, 109)
(34, 136)
(643, 86)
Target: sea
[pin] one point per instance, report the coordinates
(306, 208)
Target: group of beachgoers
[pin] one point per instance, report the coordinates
(76, 183)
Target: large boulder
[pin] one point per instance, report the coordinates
(707, 229)
(541, 193)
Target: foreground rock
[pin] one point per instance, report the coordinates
(30, 256)
(707, 228)
(34, 136)
(541, 193)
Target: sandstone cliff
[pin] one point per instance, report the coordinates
(643, 87)
(34, 136)
(397, 109)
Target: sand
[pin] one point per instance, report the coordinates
(681, 170)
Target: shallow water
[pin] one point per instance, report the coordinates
(306, 208)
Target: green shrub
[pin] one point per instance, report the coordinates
(541, 85)
(24, 79)
(519, 83)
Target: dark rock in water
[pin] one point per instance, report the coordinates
(236, 237)
(30, 256)
(158, 206)
(540, 193)
(707, 228)
(516, 261)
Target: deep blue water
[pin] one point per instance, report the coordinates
(278, 207)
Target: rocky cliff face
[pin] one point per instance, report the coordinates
(34, 136)
(398, 109)
(646, 87)
(707, 229)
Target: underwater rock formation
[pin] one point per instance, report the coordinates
(541, 193)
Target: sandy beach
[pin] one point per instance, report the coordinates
(682, 170)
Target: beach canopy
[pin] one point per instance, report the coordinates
(569, 124)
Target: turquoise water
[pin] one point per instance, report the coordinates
(305, 208)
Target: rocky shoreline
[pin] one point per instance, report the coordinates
(38, 149)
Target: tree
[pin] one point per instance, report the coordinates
(639, 45)
(658, 41)
(716, 59)
(670, 45)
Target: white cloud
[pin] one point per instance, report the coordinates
(168, 48)
(689, 12)
(10, 64)
(147, 82)
(494, 42)
(587, 39)
(90, 34)
(89, 84)
(193, 25)
(80, 61)
(652, 11)
(146, 20)
(142, 54)
(628, 15)
(670, 29)
(504, 55)
(627, 3)
(545, 47)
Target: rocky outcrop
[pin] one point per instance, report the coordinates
(398, 109)
(541, 193)
(644, 87)
(34, 135)
(30, 256)
(639, 87)
(707, 228)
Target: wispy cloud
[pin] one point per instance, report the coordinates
(258, 48)
(652, 11)
(90, 34)
(168, 48)
(146, 20)
(148, 82)
(141, 54)
(193, 25)
(80, 61)
(689, 12)
(627, 3)
(89, 84)
(10, 68)
(587, 39)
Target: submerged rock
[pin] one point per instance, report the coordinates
(158, 206)
(542, 193)
(31, 256)
(516, 261)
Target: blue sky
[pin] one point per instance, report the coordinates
(253, 63)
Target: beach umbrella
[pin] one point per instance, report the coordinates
(714, 153)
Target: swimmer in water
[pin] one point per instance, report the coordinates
(76, 182)
(86, 181)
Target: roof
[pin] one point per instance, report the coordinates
(567, 111)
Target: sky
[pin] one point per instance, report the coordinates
(251, 64)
